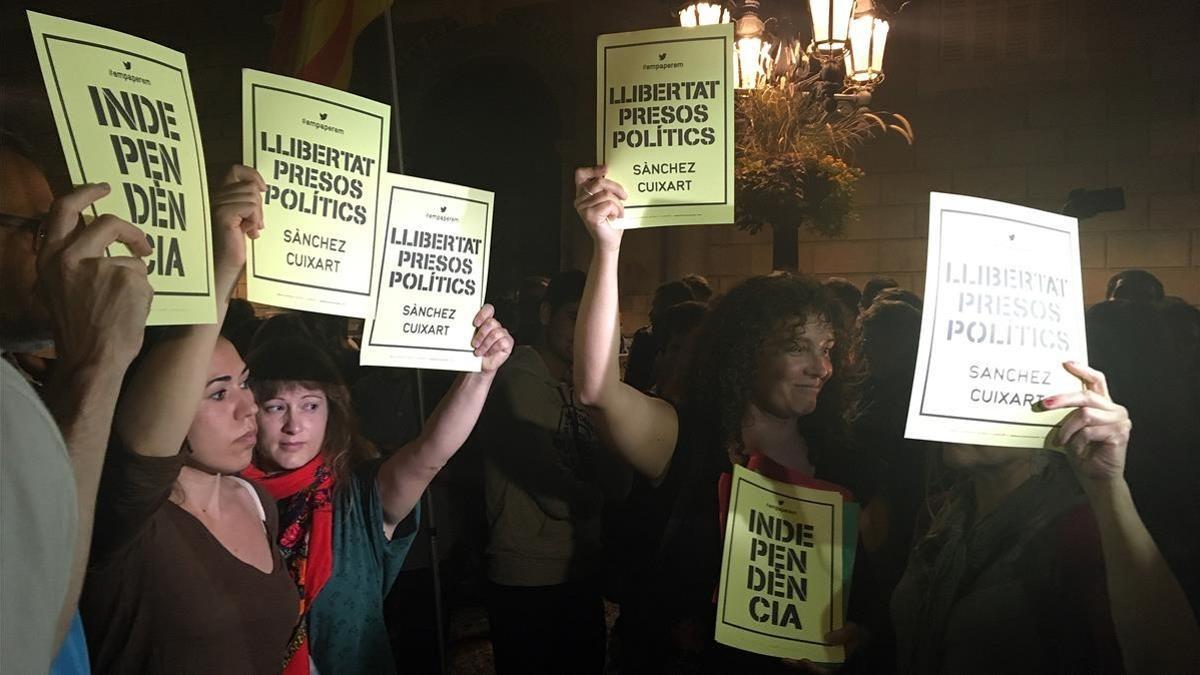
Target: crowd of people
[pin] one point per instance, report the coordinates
(241, 496)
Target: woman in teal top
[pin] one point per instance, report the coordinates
(348, 517)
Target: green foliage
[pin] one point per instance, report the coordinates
(791, 154)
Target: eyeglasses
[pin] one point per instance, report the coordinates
(26, 224)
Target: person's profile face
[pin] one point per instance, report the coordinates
(224, 430)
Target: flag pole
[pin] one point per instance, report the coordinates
(427, 497)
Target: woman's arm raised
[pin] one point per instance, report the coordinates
(1155, 626)
(406, 474)
(641, 429)
(157, 407)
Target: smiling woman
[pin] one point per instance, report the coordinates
(766, 391)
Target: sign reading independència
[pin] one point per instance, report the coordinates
(664, 123)
(125, 115)
(782, 569)
(1003, 311)
(430, 275)
(323, 153)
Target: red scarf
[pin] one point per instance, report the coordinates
(305, 540)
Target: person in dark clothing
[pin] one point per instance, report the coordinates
(1136, 285)
(529, 302)
(1132, 342)
(702, 291)
(901, 295)
(886, 354)
(1040, 563)
(639, 369)
(546, 486)
(872, 288)
(768, 388)
(846, 293)
(677, 334)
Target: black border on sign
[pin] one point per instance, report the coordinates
(737, 493)
(925, 387)
(483, 257)
(726, 50)
(207, 225)
(378, 180)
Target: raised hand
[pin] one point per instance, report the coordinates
(1095, 435)
(237, 214)
(491, 340)
(98, 305)
(599, 201)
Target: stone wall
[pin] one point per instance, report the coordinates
(1016, 100)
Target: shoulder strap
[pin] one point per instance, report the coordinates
(262, 514)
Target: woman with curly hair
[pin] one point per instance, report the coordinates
(348, 517)
(767, 391)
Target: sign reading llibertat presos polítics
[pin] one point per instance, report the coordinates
(125, 116)
(664, 123)
(1003, 311)
(430, 275)
(322, 153)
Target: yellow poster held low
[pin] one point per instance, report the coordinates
(781, 570)
(125, 116)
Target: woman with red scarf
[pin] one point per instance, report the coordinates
(348, 517)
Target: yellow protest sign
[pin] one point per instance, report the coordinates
(664, 123)
(430, 275)
(323, 153)
(125, 115)
(781, 569)
(1003, 311)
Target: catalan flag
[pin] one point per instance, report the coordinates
(314, 39)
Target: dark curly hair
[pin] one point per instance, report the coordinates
(728, 345)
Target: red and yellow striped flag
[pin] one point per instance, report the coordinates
(314, 39)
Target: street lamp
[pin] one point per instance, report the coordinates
(703, 14)
(754, 62)
(864, 59)
(831, 27)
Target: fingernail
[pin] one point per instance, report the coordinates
(1068, 363)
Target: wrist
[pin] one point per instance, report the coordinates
(1105, 491)
(479, 379)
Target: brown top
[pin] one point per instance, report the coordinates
(164, 596)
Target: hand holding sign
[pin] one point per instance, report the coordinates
(237, 214)
(599, 201)
(491, 341)
(1095, 435)
(98, 304)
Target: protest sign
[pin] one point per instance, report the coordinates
(782, 569)
(1003, 311)
(664, 123)
(125, 115)
(430, 275)
(322, 153)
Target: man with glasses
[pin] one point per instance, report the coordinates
(56, 283)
